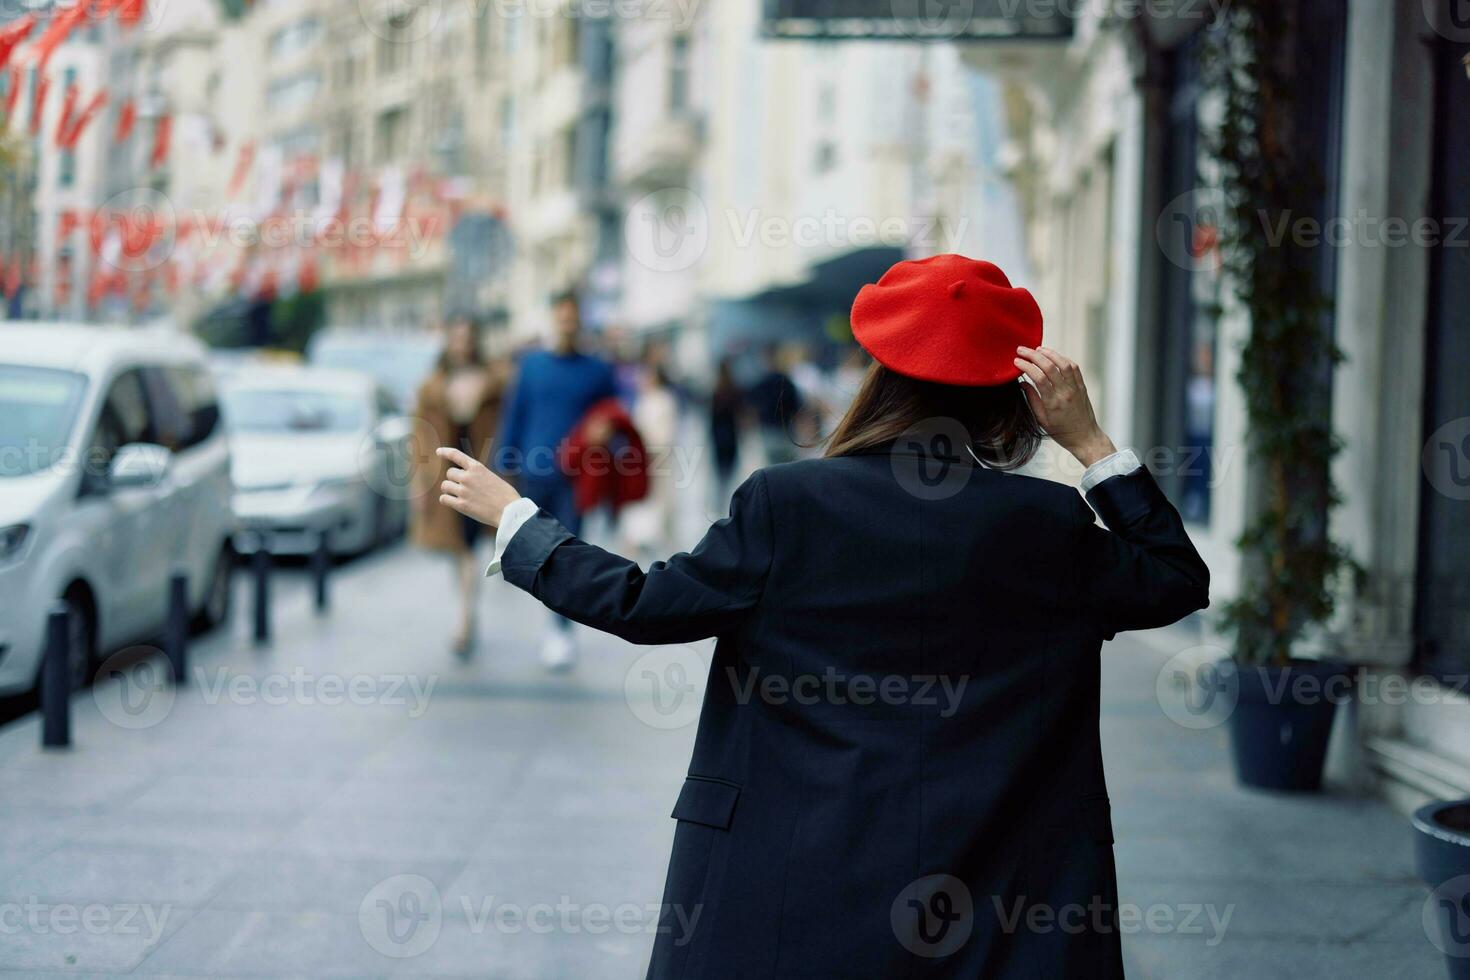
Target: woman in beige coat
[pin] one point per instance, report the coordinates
(460, 404)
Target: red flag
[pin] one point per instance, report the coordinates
(162, 136)
(129, 12)
(309, 277)
(96, 286)
(13, 34)
(63, 22)
(83, 119)
(38, 102)
(127, 117)
(61, 286)
(63, 124)
(242, 170)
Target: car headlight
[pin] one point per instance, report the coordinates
(12, 539)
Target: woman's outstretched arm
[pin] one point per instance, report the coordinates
(691, 596)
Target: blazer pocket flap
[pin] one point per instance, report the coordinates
(1098, 815)
(707, 801)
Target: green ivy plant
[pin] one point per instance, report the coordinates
(1266, 174)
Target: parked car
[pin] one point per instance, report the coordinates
(114, 472)
(399, 360)
(315, 452)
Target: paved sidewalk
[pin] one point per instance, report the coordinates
(1314, 885)
(352, 802)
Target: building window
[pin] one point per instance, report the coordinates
(67, 164)
(394, 46)
(392, 135)
(507, 122)
(345, 145)
(825, 160)
(294, 38)
(482, 40)
(291, 92)
(1442, 579)
(679, 74)
(299, 142)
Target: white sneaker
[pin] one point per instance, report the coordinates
(559, 651)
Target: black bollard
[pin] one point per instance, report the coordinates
(56, 681)
(261, 563)
(321, 566)
(176, 633)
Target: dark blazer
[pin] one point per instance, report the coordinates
(897, 771)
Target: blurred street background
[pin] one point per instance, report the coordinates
(258, 258)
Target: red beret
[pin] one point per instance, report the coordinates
(948, 319)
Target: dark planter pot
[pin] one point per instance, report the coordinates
(1442, 856)
(1282, 720)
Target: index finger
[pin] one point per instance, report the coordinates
(1044, 359)
(455, 456)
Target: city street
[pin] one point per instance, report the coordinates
(350, 801)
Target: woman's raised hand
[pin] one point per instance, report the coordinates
(473, 490)
(1058, 398)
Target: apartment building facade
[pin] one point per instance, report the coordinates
(764, 181)
(383, 123)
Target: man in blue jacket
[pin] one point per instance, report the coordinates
(554, 389)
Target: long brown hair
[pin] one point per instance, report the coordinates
(997, 420)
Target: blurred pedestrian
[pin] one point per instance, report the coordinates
(460, 402)
(847, 380)
(975, 600)
(726, 404)
(554, 389)
(776, 401)
(648, 524)
(813, 387)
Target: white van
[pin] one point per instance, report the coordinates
(114, 472)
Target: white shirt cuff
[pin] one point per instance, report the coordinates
(1121, 463)
(511, 519)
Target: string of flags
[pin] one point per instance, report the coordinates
(23, 50)
(298, 212)
(269, 241)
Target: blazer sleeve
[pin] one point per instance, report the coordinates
(1143, 571)
(706, 592)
